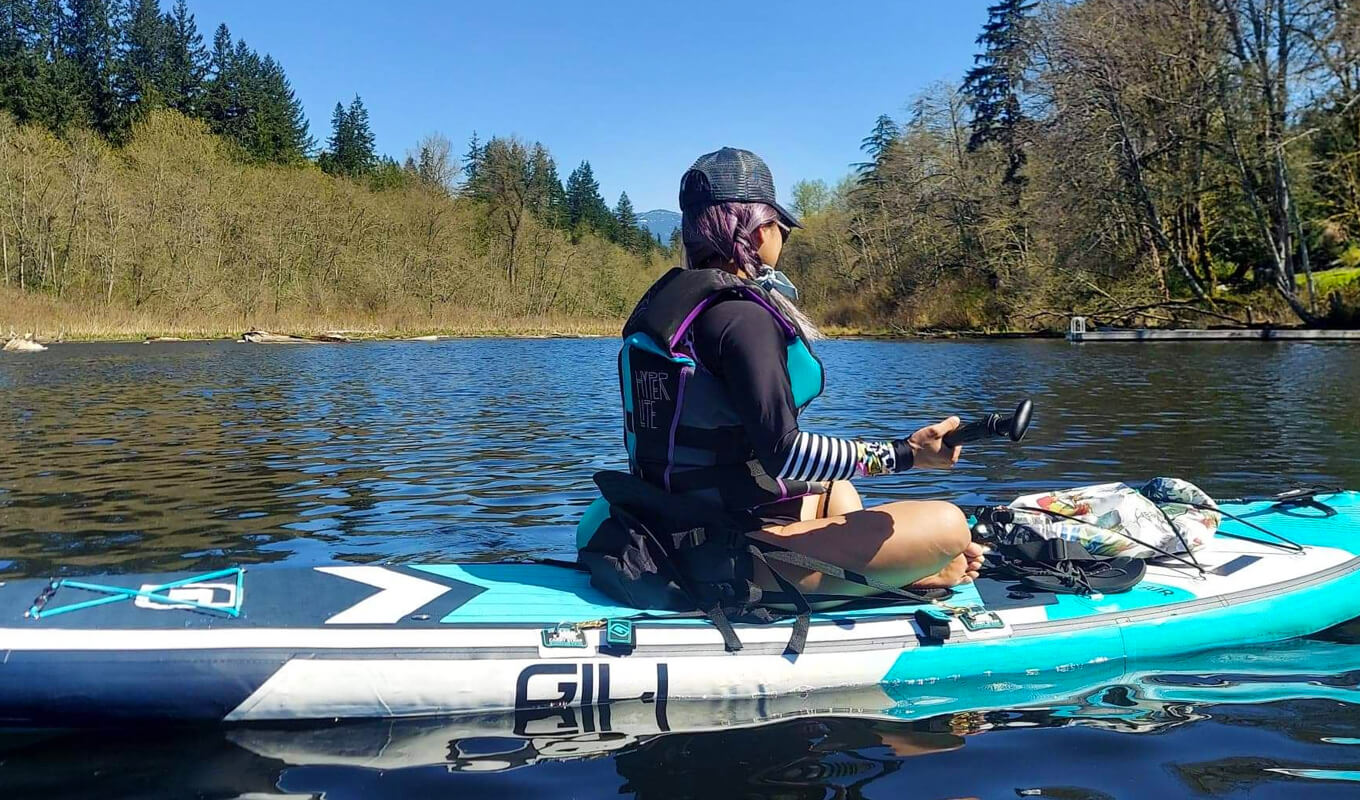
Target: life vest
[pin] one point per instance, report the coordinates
(646, 542)
(681, 431)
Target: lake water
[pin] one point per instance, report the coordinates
(173, 456)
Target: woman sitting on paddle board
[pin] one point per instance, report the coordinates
(716, 366)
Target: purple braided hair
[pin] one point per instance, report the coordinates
(725, 232)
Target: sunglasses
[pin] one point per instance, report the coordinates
(784, 231)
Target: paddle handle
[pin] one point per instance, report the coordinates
(972, 431)
(1012, 427)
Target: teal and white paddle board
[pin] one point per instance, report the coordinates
(1155, 695)
(377, 641)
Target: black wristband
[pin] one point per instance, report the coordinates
(903, 456)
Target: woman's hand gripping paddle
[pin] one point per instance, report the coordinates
(938, 446)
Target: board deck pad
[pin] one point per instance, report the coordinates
(287, 597)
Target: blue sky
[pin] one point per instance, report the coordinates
(638, 89)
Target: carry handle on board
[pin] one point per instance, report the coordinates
(1012, 427)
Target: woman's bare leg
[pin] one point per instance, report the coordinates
(844, 498)
(907, 543)
(839, 499)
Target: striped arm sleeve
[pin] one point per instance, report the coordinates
(813, 457)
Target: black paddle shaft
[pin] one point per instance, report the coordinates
(1012, 427)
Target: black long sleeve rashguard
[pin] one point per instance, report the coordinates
(741, 344)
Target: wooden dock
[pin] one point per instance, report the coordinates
(1078, 332)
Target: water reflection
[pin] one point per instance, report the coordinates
(1214, 717)
(147, 457)
(141, 456)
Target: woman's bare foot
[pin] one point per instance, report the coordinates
(962, 569)
(974, 553)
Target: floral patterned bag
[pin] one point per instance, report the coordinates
(1114, 519)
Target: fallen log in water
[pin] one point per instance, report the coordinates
(265, 337)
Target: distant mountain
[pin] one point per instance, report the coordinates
(660, 223)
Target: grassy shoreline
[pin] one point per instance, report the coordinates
(51, 319)
(54, 320)
(509, 328)
(121, 326)
(557, 327)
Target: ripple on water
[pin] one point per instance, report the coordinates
(215, 438)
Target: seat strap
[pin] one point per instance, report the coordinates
(716, 615)
(798, 638)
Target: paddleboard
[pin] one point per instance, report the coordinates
(349, 641)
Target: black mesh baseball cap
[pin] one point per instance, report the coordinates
(730, 175)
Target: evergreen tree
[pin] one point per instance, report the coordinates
(140, 80)
(626, 228)
(244, 66)
(472, 159)
(362, 157)
(186, 60)
(586, 209)
(548, 199)
(278, 124)
(30, 68)
(89, 39)
(16, 25)
(876, 145)
(993, 85)
(350, 147)
(250, 101)
(58, 91)
(220, 59)
(339, 141)
(222, 105)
